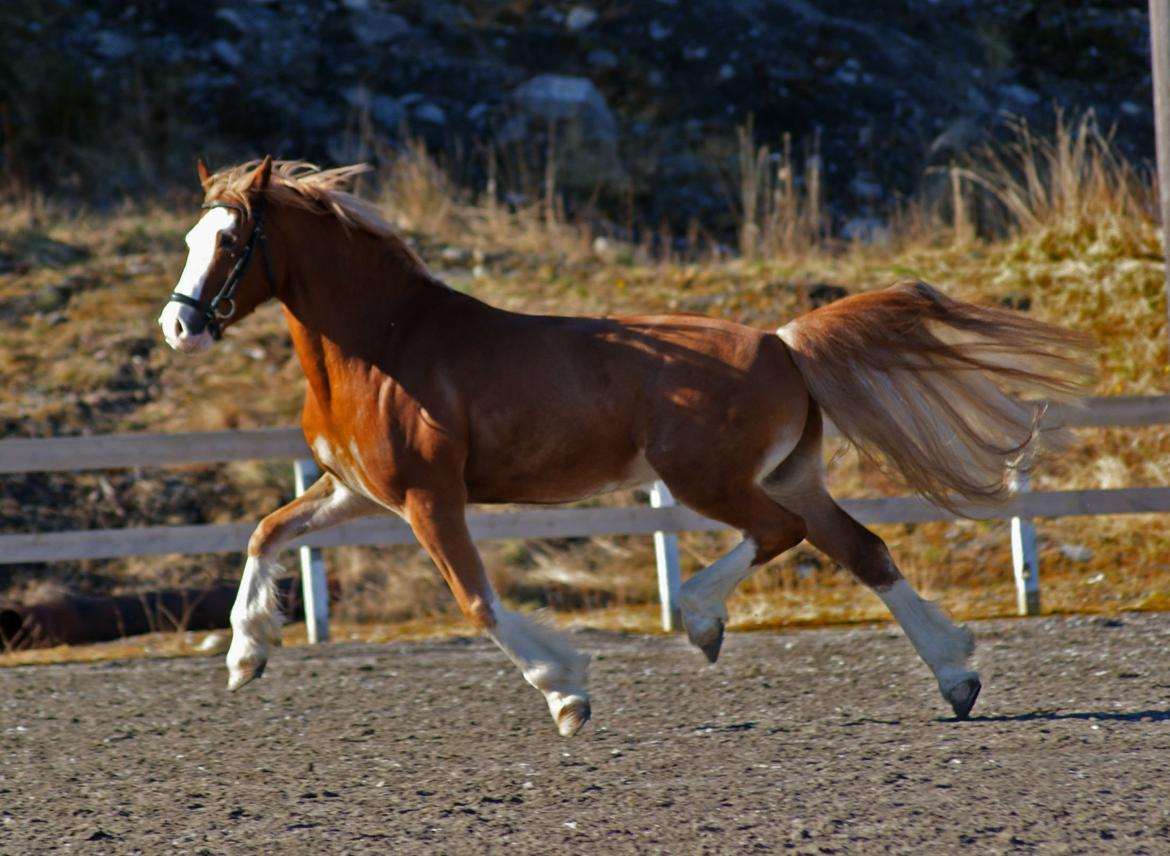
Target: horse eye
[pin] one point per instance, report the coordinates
(227, 240)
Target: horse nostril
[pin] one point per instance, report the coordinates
(180, 331)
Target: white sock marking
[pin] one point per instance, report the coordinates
(546, 658)
(706, 592)
(942, 644)
(255, 618)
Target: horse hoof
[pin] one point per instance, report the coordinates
(244, 675)
(706, 634)
(711, 649)
(573, 715)
(962, 696)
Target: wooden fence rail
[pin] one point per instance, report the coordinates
(115, 451)
(60, 454)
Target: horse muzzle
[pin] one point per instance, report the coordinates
(185, 329)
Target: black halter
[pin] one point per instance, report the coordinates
(216, 311)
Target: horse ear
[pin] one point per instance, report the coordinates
(203, 175)
(262, 174)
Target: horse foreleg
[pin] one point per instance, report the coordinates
(546, 658)
(255, 616)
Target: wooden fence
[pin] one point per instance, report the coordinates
(663, 518)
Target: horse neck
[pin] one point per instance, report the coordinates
(348, 295)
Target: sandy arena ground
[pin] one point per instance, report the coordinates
(826, 741)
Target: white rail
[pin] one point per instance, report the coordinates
(663, 519)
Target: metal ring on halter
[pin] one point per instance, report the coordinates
(226, 309)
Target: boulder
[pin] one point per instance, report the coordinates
(584, 127)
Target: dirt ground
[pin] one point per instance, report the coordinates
(825, 741)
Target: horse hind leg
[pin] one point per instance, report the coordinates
(945, 647)
(768, 531)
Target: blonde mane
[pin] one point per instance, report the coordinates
(304, 185)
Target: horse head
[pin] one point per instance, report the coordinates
(221, 282)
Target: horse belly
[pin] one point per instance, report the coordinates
(575, 470)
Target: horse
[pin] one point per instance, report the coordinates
(422, 399)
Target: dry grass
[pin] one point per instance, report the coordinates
(1077, 246)
(781, 209)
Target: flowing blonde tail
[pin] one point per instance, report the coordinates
(930, 384)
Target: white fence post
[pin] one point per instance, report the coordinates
(1025, 564)
(314, 588)
(666, 556)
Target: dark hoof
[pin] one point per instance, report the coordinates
(705, 633)
(711, 646)
(963, 695)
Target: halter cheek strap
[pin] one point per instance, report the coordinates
(223, 305)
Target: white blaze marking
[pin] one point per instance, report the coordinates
(201, 241)
(201, 249)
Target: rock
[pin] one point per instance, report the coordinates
(114, 46)
(865, 188)
(867, 230)
(586, 132)
(1020, 95)
(429, 111)
(556, 97)
(386, 112)
(52, 297)
(375, 28)
(1076, 552)
(601, 58)
(357, 97)
(958, 138)
(227, 53)
(580, 18)
(233, 19)
(819, 72)
(478, 112)
(320, 116)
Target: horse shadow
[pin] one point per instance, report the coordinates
(1035, 716)
(1082, 716)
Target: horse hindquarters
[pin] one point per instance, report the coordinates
(929, 383)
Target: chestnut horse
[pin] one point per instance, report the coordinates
(422, 399)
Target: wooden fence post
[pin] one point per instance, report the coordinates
(1025, 565)
(1160, 76)
(667, 559)
(314, 587)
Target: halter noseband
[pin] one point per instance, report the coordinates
(215, 312)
